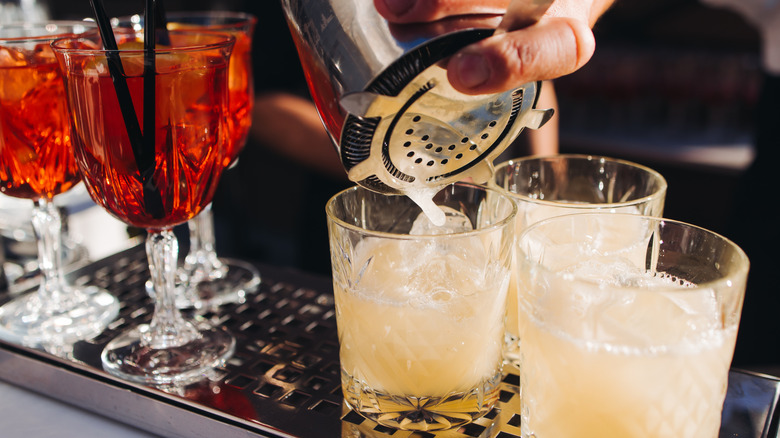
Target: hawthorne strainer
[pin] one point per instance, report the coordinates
(383, 95)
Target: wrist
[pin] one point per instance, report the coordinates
(770, 56)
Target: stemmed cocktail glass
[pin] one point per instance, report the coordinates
(37, 163)
(150, 139)
(206, 280)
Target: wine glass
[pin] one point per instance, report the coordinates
(205, 279)
(37, 163)
(150, 141)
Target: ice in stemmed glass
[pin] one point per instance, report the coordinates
(151, 146)
(37, 163)
(206, 280)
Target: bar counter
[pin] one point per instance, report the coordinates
(283, 380)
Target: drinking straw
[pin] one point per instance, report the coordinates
(142, 146)
(149, 84)
(117, 76)
(150, 40)
(162, 24)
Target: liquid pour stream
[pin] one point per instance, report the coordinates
(423, 197)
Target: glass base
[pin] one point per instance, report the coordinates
(131, 357)
(239, 280)
(421, 413)
(83, 313)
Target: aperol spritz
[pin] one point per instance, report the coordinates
(37, 163)
(206, 280)
(150, 134)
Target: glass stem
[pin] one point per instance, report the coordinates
(202, 262)
(168, 328)
(47, 224)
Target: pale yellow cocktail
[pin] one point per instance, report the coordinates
(420, 318)
(612, 390)
(622, 343)
(440, 333)
(557, 185)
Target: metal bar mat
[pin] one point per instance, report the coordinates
(284, 379)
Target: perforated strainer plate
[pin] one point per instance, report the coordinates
(284, 380)
(411, 129)
(429, 134)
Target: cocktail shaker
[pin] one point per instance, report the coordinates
(383, 95)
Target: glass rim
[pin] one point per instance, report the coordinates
(576, 205)
(225, 40)
(242, 19)
(22, 25)
(740, 272)
(507, 221)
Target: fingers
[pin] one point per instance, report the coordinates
(557, 45)
(418, 31)
(551, 48)
(418, 11)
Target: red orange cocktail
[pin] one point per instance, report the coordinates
(37, 163)
(150, 138)
(206, 280)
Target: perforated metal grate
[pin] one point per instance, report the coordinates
(282, 381)
(285, 373)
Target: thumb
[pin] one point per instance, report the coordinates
(553, 47)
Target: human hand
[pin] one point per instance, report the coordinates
(558, 44)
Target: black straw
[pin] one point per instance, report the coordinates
(117, 74)
(151, 194)
(149, 70)
(142, 151)
(161, 23)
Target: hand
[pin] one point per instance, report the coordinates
(559, 44)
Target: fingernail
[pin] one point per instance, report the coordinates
(399, 7)
(472, 70)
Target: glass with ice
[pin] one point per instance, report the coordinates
(627, 326)
(419, 307)
(569, 183)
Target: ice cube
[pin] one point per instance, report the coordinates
(43, 54)
(627, 306)
(442, 282)
(11, 58)
(454, 222)
(18, 80)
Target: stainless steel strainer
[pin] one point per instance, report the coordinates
(397, 123)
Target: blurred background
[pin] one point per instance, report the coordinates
(674, 85)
